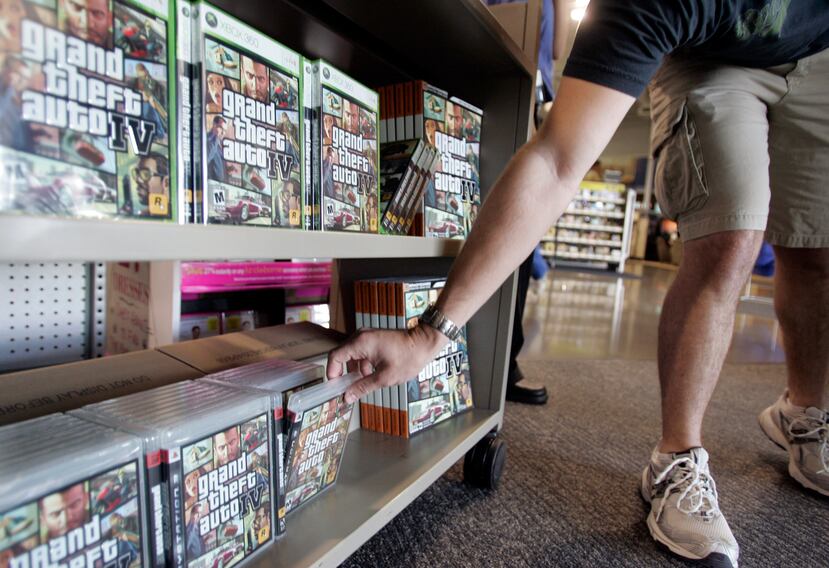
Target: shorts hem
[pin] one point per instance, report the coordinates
(797, 241)
(691, 229)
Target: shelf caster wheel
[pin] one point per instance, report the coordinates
(484, 463)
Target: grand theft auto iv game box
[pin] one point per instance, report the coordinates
(73, 499)
(251, 141)
(87, 97)
(208, 465)
(346, 163)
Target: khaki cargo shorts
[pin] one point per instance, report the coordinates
(744, 149)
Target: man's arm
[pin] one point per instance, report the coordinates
(532, 192)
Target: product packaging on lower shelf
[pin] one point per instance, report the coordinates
(281, 379)
(71, 495)
(209, 469)
(319, 418)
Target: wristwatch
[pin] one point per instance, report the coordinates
(433, 317)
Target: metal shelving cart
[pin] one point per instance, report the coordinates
(456, 44)
(595, 230)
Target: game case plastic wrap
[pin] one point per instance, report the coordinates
(311, 144)
(319, 419)
(86, 108)
(348, 156)
(252, 124)
(73, 498)
(282, 379)
(209, 469)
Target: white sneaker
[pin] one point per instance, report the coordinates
(804, 432)
(685, 515)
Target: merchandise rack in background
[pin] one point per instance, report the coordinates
(595, 230)
(456, 44)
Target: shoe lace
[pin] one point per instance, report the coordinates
(697, 489)
(811, 428)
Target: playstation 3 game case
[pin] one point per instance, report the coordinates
(208, 467)
(280, 379)
(76, 499)
(87, 104)
(319, 419)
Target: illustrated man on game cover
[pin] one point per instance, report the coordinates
(226, 446)
(255, 80)
(150, 176)
(63, 511)
(216, 168)
(154, 103)
(90, 20)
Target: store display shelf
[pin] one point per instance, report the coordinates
(380, 476)
(596, 213)
(27, 239)
(593, 199)
(586, 227)
(581, 256)
(575, 241)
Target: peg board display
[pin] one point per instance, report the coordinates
(51, 312)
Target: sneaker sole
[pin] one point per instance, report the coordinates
(773, 432)
(713, 560)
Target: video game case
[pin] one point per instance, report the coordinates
(414, 208)
(391, 115)
(76, 500)
(412, 197)
(471, 135)
(100, 144)
(186, 71)
(349, 157)
(281, 379)
(252, 120)
(399, 163)
(209, 468)
(311, 144)
(319, 418)
(358, 325)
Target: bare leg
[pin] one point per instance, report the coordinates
(695, 330)
(801, 300)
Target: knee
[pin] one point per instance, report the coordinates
(722, 260)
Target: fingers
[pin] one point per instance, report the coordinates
(363, 387)
(351, 350)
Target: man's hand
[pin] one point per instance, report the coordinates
(385, 357)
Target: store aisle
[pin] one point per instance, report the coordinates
(569, 495)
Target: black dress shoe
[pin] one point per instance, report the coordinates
(527, 395)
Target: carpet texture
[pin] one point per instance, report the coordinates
(569, 495)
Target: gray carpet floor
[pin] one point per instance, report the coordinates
(569, 495)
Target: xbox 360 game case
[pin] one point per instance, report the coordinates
(252, 128)
(319, 418)
(73, 498)
(87, 108)
(209, 465)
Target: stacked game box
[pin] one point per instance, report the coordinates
(87, 100)
(451, 200)
(345, 157)
(72, 495)
(188, 129)
(275, 377)
(251, 117)
(209, 469)
(441, 390)
(406, 168)
(319, 419)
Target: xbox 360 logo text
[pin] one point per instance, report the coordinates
(211, 20)
(326, 73)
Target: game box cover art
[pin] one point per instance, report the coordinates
(73, 499)
(227, 494)
(87, 97)
(448, 197)
(319, 419)
(349, 156)
(252, 124)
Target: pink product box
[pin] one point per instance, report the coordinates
(197, 277)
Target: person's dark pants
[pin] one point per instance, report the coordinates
(517, 325)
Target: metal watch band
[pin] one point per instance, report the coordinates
(436, 319)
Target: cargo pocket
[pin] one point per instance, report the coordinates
(679, 176)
